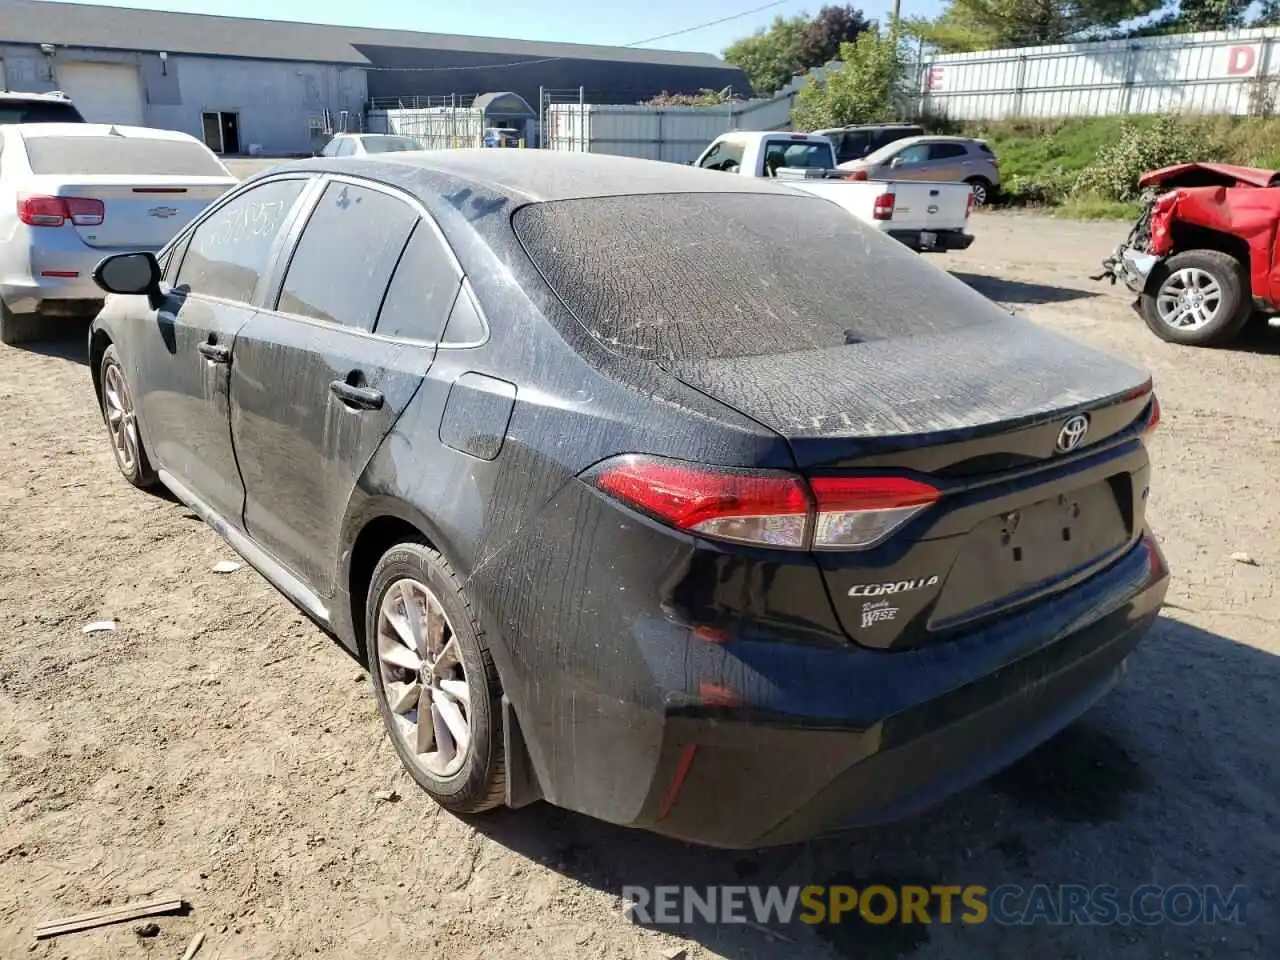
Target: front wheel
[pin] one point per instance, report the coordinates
(1199, 298)
(121, 418)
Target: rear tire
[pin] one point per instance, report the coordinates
(414, 590)
(1199, 298)
(19, 327)
(983, 191)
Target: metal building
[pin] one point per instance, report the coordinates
(263, 85)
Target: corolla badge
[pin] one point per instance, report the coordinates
(1072, 433)
(164, 213)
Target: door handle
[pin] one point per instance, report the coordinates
(215, 352)
(362, 398)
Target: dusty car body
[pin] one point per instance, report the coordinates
(1202, 257)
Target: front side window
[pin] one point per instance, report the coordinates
(230, 251)
(344, 258)
(916, 153)
(725, 155)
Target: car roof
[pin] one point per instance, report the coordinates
(932, 138)
(55, 97)
(31, 131)
(538, 175)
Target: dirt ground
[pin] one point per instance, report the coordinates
(218, 745)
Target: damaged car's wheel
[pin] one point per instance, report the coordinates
(1199, 298)
(435, 681)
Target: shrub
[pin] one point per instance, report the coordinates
(1114, 174)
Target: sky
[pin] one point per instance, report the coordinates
(573, 21)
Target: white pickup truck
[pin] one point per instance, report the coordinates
(926, 216)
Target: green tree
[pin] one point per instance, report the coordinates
(860, 90)
(770, 57)
(1268, 14)
(991, 24)
(1195, 15)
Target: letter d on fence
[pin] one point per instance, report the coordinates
(1241, 60)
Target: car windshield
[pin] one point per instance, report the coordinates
(390, 144)
(121, 155)
(674, 277)
(38, 111)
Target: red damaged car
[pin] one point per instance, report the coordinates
(1203, 257)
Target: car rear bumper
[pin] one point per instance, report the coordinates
(757, 742)
(941, 241)
(59, 271)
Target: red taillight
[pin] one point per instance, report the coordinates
(855, 175)
(1153, 415)
(883, 210)
(858, 512)
(968, 207)
(766, 508)
(55, 211)
(770, 508)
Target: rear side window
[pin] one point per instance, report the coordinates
(122, 155)
(344, 259)
(893, 134)
(422, 290)
(985, 149)
(946, 151)
(855, 145)
(703, 276)
(345, 148)
(229, 252)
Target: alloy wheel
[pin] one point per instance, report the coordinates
(121, 421)
(423, 676)
(1189, 299)
(980, 194)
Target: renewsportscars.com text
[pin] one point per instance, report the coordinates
(1061, 904)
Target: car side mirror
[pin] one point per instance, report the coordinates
(897, 161)
(131, 273)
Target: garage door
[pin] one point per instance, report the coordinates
(104, 92)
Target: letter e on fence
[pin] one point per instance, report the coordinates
(933, 79)
(1241, 60)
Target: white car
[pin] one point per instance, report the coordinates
(366, 144)
(72, 194)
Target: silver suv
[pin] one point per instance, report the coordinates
(934, 158)
(53, 107)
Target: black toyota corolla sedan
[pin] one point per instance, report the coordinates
(685, 501)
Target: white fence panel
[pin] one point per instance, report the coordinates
(673, 134)
(1204, 72)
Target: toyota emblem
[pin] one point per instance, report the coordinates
(1072, 433)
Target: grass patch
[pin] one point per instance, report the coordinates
(1097, 208)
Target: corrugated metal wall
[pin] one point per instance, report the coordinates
(673, 134)
(1206, 72)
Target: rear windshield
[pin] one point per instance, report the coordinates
(38, 111)
(390, 144)
(807, 156)
(707, 276)
(121, 155)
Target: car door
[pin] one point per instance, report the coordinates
(315, 387)
(947, 161)
(909, 163)
(181, 352)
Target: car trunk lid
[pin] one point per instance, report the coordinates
(137, 215)
(1027, 504)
